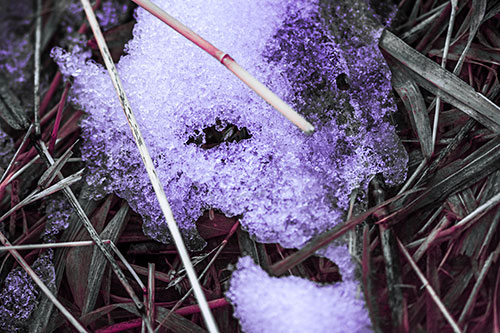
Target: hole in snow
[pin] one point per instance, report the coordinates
(211, 137)
(342, 81)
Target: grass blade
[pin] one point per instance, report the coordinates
(453, 14)
(36, 77)
(50, 245)
(52, 172)
(442, 83)
(478, 9)
(326, 238)
(414, 102)
(10, 107)
(98, 262)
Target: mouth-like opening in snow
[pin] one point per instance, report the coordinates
(342, 82)
(210, 137)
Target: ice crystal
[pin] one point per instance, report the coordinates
(108, 14)
(292, 304)
(320, 57)
(19, 296)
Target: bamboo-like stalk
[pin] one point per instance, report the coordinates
(151, 294)
(36, 83)
(50, 245)
(225, 59)
(151, 170)
(430, 290)
(41, 284)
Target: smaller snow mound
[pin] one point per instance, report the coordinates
(291, 304)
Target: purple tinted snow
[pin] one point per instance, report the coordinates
(288, 186)
(269, 304)
(19, 295)
(57, 211)
(15, 49)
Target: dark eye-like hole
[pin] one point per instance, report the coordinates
(342, 82)
(211, 137)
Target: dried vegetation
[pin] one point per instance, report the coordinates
(428, 251)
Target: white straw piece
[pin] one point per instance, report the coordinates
(153, 176)
(254, 84)
(49, 245)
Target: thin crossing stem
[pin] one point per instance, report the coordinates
(225, 59)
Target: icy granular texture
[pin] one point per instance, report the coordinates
(19, 295)
(108, 14)
(57, 211)
(288, 186)
(291, 304)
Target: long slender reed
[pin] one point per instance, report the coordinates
(151, 170)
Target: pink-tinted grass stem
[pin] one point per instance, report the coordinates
(57, 123)
(496, 310)
(50, 93)
(192, 309)
(185, 311)
(427, 286)
(58, 77)
(225, 59)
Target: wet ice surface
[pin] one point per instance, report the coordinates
(321, 57)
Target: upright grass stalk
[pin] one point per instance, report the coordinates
(151, 294)
(454, 6)
(225, 59)
(36, 83)
(219, 250)
(430, 290)
(57, 123)
(148, 163)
